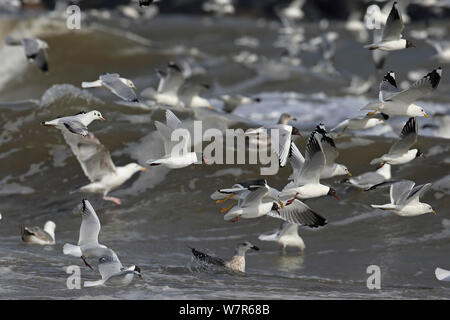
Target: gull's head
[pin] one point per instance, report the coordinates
(420, 154)
(129, 83)
(96, 115)
(409, 44)
(424, 114)
(134, 167)
(276, 207)
(344, 170)
(332, 193)
(285, 118)
(430, 209)
(245, 246)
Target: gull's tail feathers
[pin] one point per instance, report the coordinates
(93, 84)
(269, 237)
(72, 250)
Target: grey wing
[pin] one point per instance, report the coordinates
(368, 178)
(31, 47)
(38, 233)
(408, 137)
(394, 25)
(90, 225)
(10, 41)
(329, 149)
(299, 213)
(297, 160)
(76, 127)
(93, 156)
(388, 87)
(399, 189)
(172, 80)
(420, 88)
(253, 197)
(314, 161)
(109, 264)
(172, 120)
(417, 192)
(120, 89)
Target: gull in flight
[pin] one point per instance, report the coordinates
(286, 236)
(172, 159)
(112, 271)
(190, 97)
(392, 33)
(236, 263)
(401, 103)
(442, 50)
(405, 198)
(121, 87)
(170, 82)
(76, 124)
(442, 274)
(369, 179)
(88, 246)
(258, 201)
(231, 102)
(285, 132)
(331, 169)
(399, 153)
(361, 123)
(34, 50)
(95, 160)
(37, 235)
(306, 177)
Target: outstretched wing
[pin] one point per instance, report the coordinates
(417, 192)
(314, 161)
(394, 25)
(93, 156)
(90, 225)
(408, 137)
(299, 213)
(116, 86)
(207, 258)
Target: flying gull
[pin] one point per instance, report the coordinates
(369, 179)
(121, 87)
(76, 124)
(392, 33)
(405, 198)
(97, 165)
(34, 50)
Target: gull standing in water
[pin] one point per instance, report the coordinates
(36, 235)
(236, 263)
(369, 179)
(34, 50)
(286, 236)
(88, 246)
(306, 182)
(76, 124)
(405, 198)
(121, 87)
(392, 33)
(97, 165)
(171, 160)
(399, 152)
(401, 103)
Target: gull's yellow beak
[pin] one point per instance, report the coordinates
(209, 107)
(426, 116)
(349, 174)
(143, 169)
(102, 119)
(281, 204)
(433, 212)
(384, 123)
